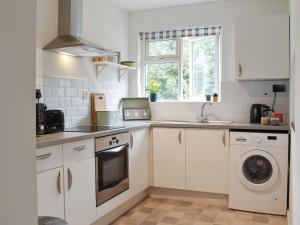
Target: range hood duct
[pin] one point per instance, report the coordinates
(69, 40)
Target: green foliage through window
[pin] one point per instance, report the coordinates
(199, 72)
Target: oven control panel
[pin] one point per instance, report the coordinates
(111, 141)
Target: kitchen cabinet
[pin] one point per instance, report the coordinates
(169, 157)
(139, 160)
(66, 186)
(50, 193)
(262, 47)
(207, 160)
(80, 202)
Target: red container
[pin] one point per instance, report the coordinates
(279, 116)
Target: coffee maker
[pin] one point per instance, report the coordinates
(40, 113)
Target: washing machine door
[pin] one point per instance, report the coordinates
(258, 170)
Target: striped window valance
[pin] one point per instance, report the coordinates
(184, 32)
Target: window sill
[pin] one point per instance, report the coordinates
(187, 101)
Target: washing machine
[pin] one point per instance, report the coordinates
(258, 172)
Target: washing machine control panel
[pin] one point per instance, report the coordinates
(259, 139)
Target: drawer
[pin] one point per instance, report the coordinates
(49, 157)
(78, 150)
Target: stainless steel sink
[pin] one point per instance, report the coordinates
(220, 122)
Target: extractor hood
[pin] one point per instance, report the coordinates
(69, 40)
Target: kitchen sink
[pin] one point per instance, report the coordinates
(219, 122)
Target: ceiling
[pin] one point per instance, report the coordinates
(136, 5)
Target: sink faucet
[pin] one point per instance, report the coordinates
(204, 118)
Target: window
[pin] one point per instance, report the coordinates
(187, 68)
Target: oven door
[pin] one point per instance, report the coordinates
(111, 173)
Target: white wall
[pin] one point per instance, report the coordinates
(103, 24)
(17, 136)
(294, 211)
(236, 96)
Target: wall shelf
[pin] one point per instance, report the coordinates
(101, 66)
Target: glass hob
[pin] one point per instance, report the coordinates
(92, 129)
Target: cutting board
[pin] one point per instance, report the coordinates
(98, 104)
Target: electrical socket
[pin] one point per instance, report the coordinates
(279, 88)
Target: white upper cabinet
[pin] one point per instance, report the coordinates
(207, 160)
(139, 160)
(262, 47)
(169, 157)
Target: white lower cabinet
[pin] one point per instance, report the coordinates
(207, 160)
(139, 160)
(191, 159)
(68, 191)
(50, 192)
(80, 203)
(169, 157)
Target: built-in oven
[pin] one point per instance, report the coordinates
(111, 166)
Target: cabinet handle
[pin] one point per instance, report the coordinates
(79, 148)
(45, 156)
(131, 141)
(179, 137)
(224, 139)
(70, 179)
(58, 183)
(240, 70)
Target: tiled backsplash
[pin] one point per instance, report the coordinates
(236, 99)
(69, 95)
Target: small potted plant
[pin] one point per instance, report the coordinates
(153, 88)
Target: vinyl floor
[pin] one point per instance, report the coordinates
(164, 211)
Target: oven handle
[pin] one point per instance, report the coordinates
(116, 149)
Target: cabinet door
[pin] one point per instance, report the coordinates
(139, 160)
(169, 157)
(51, 193)
(262, 47)
(207, 160)
(80, 196)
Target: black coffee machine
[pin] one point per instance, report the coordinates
(258, 111)
(40, 114)
(48, 121)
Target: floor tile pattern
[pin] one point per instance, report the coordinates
(163, 211)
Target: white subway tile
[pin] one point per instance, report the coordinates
(77, 83)
(88, 84)
(80, 121)
(71, 112)
(68, 122)
(76, 102)
(65, 102)
(83, 111)
(64, 83)
(46, 92)
(51, 102)
(50, 82)
(71, 92)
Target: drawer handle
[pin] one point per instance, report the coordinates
(70, 179)
(58, 183)
(79, 148)
(45, 156)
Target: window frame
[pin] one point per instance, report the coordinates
(146, 59)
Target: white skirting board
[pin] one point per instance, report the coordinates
(120, 210)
